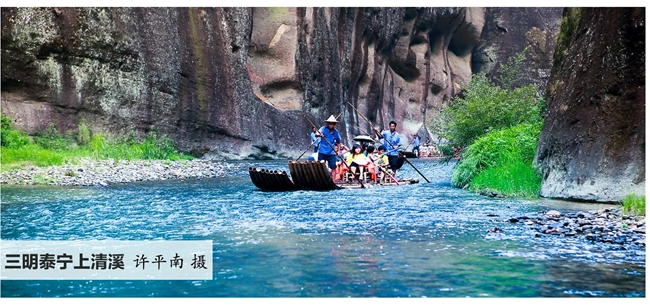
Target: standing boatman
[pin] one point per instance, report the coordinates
(416, 145)
(392, 141)
(325, 152)
(315, 141)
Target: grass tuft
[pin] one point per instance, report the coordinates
(634, 204)
(501, 162)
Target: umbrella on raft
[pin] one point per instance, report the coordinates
(362, 138)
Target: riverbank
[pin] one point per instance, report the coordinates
(607, 226)
(105, 172)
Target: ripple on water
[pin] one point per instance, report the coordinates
(427, 239)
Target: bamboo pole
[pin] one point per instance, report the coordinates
(337, 154)
(389, 143)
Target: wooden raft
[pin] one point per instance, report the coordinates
(306, 176)
(271, 180)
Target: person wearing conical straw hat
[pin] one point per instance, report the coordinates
(325, 152)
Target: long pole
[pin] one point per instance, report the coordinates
(389, 175)
(337, 154)
(308, 147)
(389, 143)
(380, 168)
(359, 127)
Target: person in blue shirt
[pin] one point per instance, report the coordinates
(315, 141)
(330, 135)
(416, 145)
(392, 142)
(313, 157)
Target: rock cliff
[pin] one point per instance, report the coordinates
(236, 82)
(592, 146)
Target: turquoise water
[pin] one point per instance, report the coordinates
(427, 239)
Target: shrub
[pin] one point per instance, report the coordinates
(485, 107)
(509, 72)
(9, 137)
(13, 139)
(446, 150)
(84, 133)
(97, 142)
(50, 147)
(51, 138)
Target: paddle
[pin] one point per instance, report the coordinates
(389, 175)
(389, 143)
(334, 150)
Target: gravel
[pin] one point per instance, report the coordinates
(104, 172)
(607, 226)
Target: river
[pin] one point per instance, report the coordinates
(426, 239)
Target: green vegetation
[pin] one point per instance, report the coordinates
(634, 204)
(510, 71)
(446, 150)
(276, 13)
(486, 107)
(500, 126)
(501, 162)
(50, 147)
(568, 26)
(8, 137)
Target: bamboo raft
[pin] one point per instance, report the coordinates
(306, 176)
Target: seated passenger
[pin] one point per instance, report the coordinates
(372, 157)
(356, 159)
(340, 168)
(381, 161)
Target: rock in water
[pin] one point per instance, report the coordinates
(553, 213)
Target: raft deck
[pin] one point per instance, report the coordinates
(306, 176)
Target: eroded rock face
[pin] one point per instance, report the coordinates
(592, 146)
(511, 29)
(236, 82)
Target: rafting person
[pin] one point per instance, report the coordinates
(373, 157)
(392, 142)
(330, 135)
(315, 141)
(344, 152)
(416, 145)
(381, 160)
(357, 160)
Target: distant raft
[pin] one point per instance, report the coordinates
(306, 176)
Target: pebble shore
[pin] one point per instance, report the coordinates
(106, 172)
(607, 226)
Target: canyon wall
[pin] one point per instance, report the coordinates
(234, 83)
(592, 146)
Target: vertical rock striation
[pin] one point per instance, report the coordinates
(510, 30)
(235, 82)
(592, 146)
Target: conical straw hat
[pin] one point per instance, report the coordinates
(331, 119)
